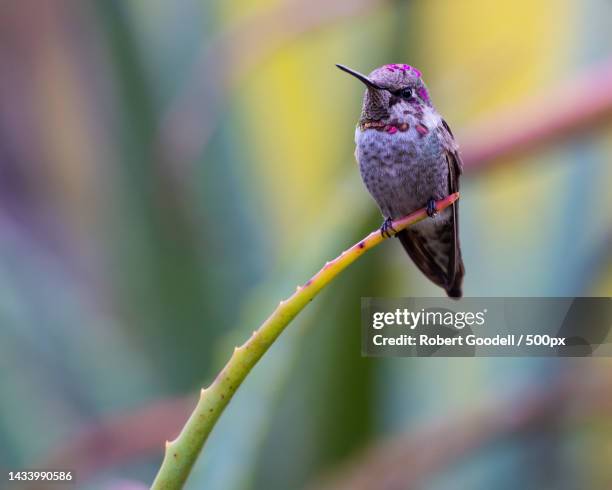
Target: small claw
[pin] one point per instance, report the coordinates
(386, 226)
(431, 207)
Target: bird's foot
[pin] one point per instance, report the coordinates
(387, 229)
(431, 207)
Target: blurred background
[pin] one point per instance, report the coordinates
(170, 170)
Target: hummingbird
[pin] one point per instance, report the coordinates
(408, 159)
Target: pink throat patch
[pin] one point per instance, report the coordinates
(422, 130)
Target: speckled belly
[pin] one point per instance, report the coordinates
(402, 171)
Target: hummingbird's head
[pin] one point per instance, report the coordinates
(389, 85)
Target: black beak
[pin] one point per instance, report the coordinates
(361, 77)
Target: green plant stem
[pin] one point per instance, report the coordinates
(181, 454)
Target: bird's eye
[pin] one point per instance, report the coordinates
(406, 93)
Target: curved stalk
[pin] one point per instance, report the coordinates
(181, 454)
